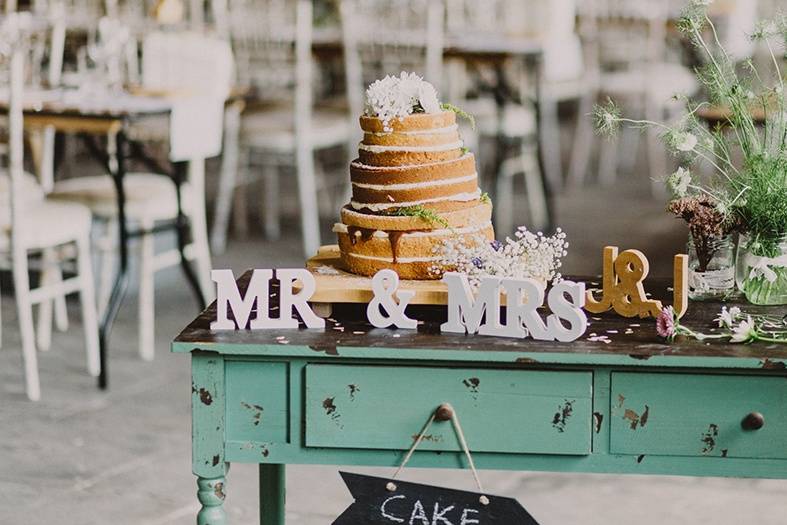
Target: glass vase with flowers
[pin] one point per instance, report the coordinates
(746, 151)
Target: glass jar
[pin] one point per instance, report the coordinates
(761, 269)
(711, 267)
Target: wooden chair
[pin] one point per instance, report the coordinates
(201, 69)
(512, 127)
(272, 42)
(30, 223)
(627, 40)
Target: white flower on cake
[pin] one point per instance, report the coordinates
(397, 97)
(529, 256)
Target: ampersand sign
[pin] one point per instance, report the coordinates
(384, 286)
(624, 292)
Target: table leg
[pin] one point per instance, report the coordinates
(211, 495)
(272, 494)
(116, 167)
(183, 234)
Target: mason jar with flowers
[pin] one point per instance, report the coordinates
(745, 187)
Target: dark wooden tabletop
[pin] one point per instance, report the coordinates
(608, 335)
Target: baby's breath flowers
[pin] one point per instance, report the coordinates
(737, 327)
(399, 96)
(530, 255)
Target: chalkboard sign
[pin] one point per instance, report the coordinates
(414, 504)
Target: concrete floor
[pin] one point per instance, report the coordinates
(81, 456)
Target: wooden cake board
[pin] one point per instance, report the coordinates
(337, 285)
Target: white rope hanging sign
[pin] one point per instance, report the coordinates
(384, 501)
(444, 412)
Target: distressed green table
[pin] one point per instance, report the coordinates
(355, 395)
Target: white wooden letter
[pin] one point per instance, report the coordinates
(570, 311)
(519, 314)
(385, 284)
(298, 301)
(465, 313)
(228, 297)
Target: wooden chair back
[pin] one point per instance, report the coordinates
(385, 37)
(624, 33)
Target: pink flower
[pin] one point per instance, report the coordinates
(665, 323)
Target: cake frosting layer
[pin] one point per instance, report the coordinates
(413, 138)
(372, 250)
(477, 214)
(414, 122)
(462, 166)
(404, 155)
(455, 201)
(420, 193)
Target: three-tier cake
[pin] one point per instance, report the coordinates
(413, 184)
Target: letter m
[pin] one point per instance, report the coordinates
(466, 313)
(228, 298)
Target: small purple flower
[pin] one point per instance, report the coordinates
(477, 262)
(665, 323)
(496, 245)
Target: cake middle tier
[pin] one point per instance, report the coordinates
(441, 186)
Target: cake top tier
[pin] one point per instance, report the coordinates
(395, 97)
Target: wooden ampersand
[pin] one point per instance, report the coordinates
(623, 289)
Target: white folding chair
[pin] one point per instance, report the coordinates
(628, 42)
(29, 223)
(513, 123)
(272, 41)
(198, 71)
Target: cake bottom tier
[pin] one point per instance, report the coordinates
(411, 254)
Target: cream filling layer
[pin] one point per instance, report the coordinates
(367, 167)
(398, 259)
(434, 131)
(342, 228)
(374, 148)
(378, 206)
(414, 185)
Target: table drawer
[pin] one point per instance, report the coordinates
(517, 411)
(682, 415)
(257, 404)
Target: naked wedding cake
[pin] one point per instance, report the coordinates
(413, 184)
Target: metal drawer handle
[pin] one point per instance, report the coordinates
(753, 421)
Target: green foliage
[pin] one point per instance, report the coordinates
(749, 181)
(422, 213)
(485, 198)
(764, 207)
(459, 112)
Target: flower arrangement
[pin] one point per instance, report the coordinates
(528, 256)
(399, 96)
(736, 326)
(748, 195)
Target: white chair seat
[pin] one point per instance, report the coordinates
(517, 120)
(274, 128)
(660, 81)
(30, 189)
(149, 197)
(49, 223)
